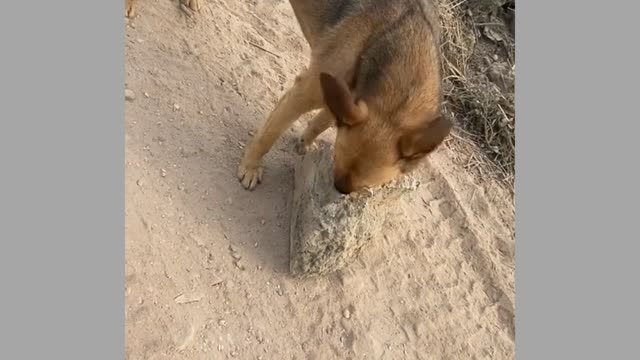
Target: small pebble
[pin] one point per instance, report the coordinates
(163, 172)
(140, 182)
(262, 222)
(222, 322)
(176, 107)
(146, 94)
(346, 313)
(129, 95)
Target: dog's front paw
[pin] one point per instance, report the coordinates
(250, 175)
(192, 4)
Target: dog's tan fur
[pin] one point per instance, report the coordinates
(375, 73)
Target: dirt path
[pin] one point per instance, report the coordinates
(206, 261)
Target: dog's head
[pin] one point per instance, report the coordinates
(369, 150)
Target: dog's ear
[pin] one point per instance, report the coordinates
(341, 102)
(424, 140)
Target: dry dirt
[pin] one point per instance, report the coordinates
(207, 262)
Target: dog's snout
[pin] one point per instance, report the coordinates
(343, 184)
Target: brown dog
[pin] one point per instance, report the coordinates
(130, 6)
(375, 73)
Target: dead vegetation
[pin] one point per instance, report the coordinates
(478, 47)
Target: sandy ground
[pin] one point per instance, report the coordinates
(207, 261)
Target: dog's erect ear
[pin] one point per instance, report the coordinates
(340, 101)
(421, 142)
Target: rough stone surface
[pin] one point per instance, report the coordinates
(329, 229)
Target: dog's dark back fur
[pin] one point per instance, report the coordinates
(332, 12)
(391, 51)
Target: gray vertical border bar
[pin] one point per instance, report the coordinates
(62, 180)
(577, 180)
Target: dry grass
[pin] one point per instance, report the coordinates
(458, 39)
(484, 114)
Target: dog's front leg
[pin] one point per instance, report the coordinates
(316, 126)
(305, 95)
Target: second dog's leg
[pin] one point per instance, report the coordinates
(304, 96)
(130, 8)
(316, 126)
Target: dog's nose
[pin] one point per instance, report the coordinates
(343, 185)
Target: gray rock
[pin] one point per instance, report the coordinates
(329, 229)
